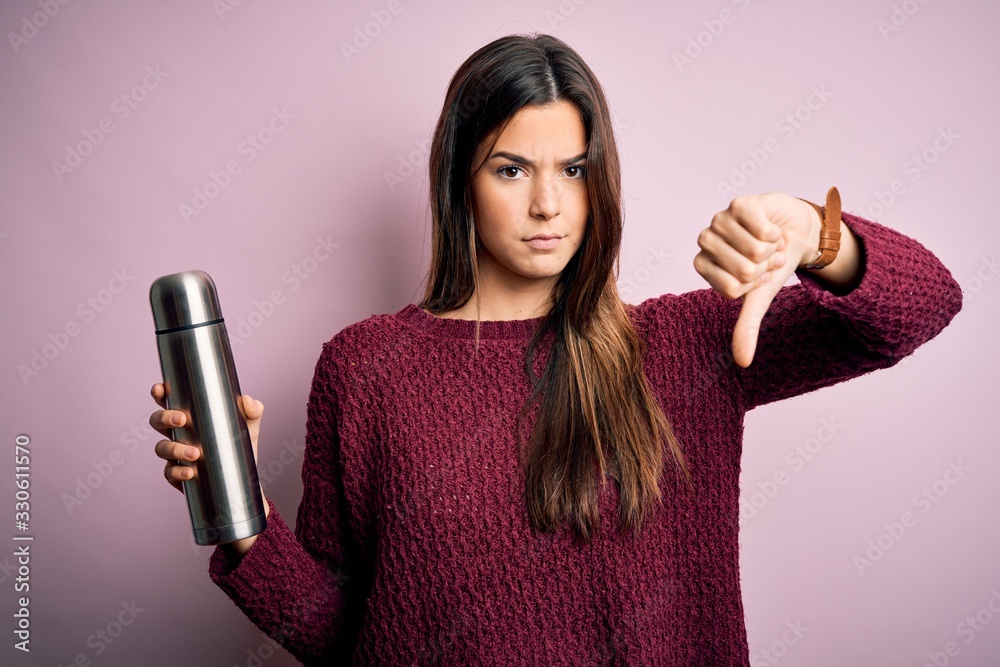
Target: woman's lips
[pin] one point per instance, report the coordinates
(544, 244)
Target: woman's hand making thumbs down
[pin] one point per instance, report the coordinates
(751, 249)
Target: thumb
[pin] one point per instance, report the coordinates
(252, 408)
(755, 305)
(252, 411)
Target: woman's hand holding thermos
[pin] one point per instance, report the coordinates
(172, 452)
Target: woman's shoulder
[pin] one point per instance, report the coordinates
(371, 329)
(367, 334)
(372, 340)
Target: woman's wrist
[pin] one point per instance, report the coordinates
(845, 271)
(829, 234)
(241, 547)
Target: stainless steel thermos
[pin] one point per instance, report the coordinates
(199, 376)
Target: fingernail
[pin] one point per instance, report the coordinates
(190, 452)
(175, 420)
(779, 259)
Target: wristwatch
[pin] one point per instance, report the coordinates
(829, 233)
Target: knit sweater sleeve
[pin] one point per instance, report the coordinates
(812, 337)
(292, 585)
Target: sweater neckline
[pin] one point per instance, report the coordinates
(444, 327)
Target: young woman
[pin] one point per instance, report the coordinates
(522, 469)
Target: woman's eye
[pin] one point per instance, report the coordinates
(512, 171)
(509, 171)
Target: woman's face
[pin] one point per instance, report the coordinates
(531, 184)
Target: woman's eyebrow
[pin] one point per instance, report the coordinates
(518, 159)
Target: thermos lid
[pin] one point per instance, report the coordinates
(183, 300)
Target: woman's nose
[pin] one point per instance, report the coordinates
(545, 198)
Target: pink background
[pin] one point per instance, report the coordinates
(348, 121)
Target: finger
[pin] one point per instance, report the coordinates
(177, 475)
(720, 280)
(755, 305)
(743, 267)
(725, 283)
(164, 420)
(159, 394)
(747, 328)
(176, 451)
(253, 411)
(252, 408)
(179, 466)
(745, 240)
(751, 215)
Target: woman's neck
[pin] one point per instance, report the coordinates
(490, 313)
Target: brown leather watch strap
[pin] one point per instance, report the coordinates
(829, 233)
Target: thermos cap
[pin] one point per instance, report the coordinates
(183, 300)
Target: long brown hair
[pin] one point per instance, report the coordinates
(597, 414)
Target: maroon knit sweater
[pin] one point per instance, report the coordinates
(412, 543)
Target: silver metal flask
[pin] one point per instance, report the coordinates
(199, 377)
